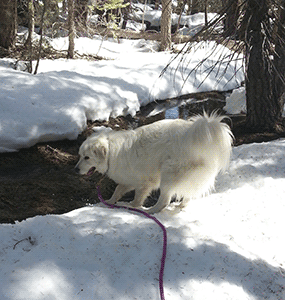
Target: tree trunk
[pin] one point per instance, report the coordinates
(71, 29)
(126, 14)
(8, 22)
(279, 65)
(180, 7)
(206, 12)
(232, 15)
(29, 41)
(46, 3)
(81, 12)
(166, 25)
(64, 5)
(156, 4)
(193, 7)
(263, 110)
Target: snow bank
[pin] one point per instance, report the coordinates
(236, 102)
(226, 246)
(56, 103)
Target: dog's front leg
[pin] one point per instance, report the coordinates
(120, 191)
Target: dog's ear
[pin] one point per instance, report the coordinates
(100, 151)
(100, 148)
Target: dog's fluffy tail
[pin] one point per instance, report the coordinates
(211, 140)
(206, 146)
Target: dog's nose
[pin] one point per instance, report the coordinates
(76, 169)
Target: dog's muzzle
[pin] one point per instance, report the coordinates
(89, 173)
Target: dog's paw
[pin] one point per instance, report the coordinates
(125, 204)
(150, 210)
(111, 201)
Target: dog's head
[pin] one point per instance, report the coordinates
(93, 154)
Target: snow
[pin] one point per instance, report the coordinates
(236, 102)
(56, 103)
(191, 24)
(226, 246)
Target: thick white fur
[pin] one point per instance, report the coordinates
(180, 157)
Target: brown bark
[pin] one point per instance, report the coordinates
(29, 41)
(193, 7)
(232, 15)
(46, 2)
(71, 29)
(166, 25)
(263, 108)
(180, 7)
(8, 22)
(81, 12)
(279, 64)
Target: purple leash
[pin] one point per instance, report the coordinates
(161, 272)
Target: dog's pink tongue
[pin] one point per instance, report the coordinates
(91, 171)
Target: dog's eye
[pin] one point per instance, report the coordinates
(86, 157)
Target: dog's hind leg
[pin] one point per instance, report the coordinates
(140, 196)
(120, 191)
(163, 201)
(168, 177)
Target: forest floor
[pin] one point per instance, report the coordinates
(41, 180)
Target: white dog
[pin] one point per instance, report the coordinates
(180, 157)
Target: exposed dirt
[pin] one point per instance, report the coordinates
(41, 180)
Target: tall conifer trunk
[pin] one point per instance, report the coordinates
(8, 22)
(263, 108)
